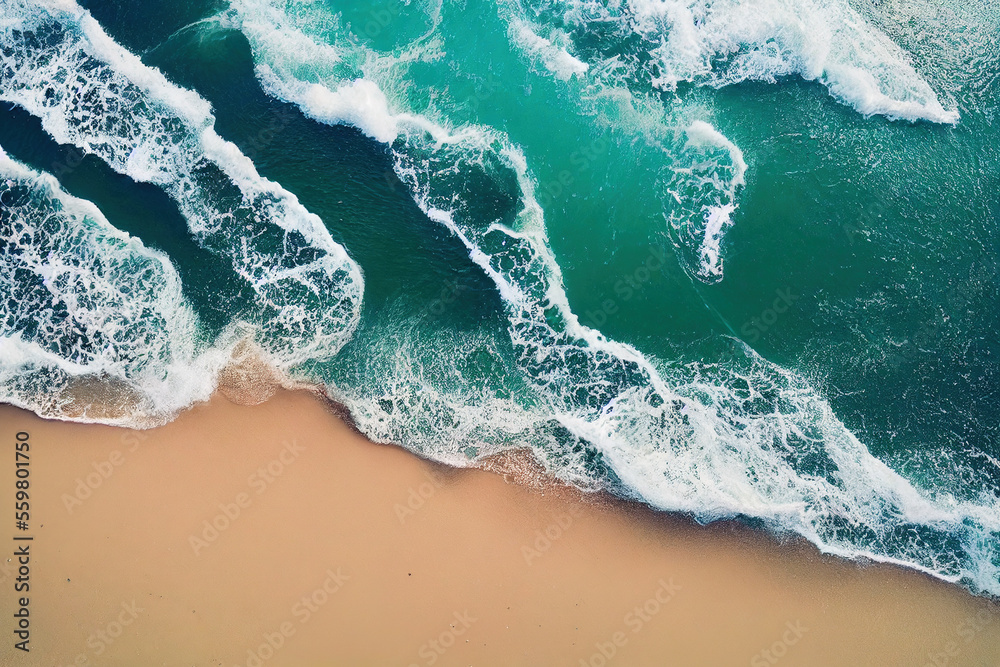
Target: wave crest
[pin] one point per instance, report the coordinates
(57, 63)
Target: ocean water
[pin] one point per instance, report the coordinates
(732, 258)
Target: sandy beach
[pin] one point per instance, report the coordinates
(277, 535)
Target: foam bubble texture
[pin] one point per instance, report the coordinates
(56, 62)
(662, 43)
(741, 437)
(552, 55)
(85, 302)
(702, 188)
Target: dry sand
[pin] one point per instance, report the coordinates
(338, 551)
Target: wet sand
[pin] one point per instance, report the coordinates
(276, 535)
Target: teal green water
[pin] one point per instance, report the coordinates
(730, 258)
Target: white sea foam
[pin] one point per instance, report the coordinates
(952, 42)
(631, 50)
(723, 42)
(716, 440)
(753, 440)
(84, 301)
(359, 103)
(702, 189)
(342, 83)
(554, 57)
(703, 172)
(87, 90)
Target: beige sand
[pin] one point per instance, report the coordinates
(350, 553)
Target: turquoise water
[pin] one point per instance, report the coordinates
(732, 259)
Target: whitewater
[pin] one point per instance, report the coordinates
(726, 434)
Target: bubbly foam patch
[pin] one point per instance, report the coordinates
(953, 42)
(741, 437)
(56, 62)
(631, 53)
(723, 42)
(554, 57)
(345, 82)
(703, 169)
(250, 378)
(359, 103)
(702, 190)
(93, 325)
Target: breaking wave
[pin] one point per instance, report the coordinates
(94, 326)
(57, 63)
(743, 437)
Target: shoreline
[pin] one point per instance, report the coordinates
(524, 470)
(277, 534)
